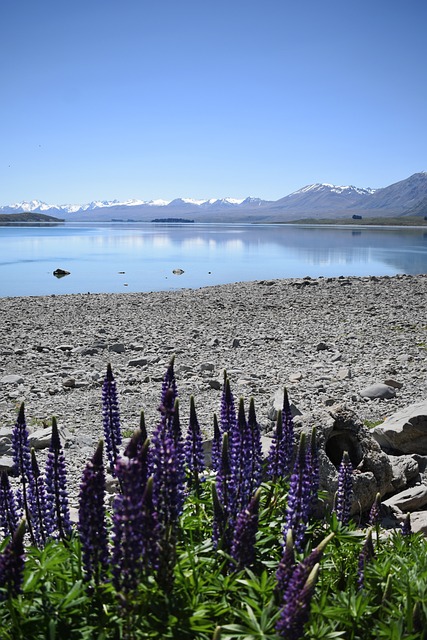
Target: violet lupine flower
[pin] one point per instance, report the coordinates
(289, 587)
(56, 486)
(312, 472)
(299, 498)
(243, 545)
(111, 418)
(91, 525)
(193, 449)
(255, 467)
(128, 523)
(22, 466)
(365, 556)
(275, 466)
(12, 561)
(406, 527)
(224, 497)
(344, 494)
(216, 445)
(167, 469)
(8, 508)
(238, 458)
(286, 566)
(169, 383)
(228, 417)
(295, 613)
(42, 523)
(374, 513)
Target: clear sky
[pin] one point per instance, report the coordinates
(147, 99)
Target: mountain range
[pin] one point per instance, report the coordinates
(316, 201)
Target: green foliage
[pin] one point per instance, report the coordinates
(208, 599)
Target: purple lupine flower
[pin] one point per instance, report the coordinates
(22, 467)
(312, 472)
(111, 418)
(374, 513)
(299, 498)
(12, 561)
(42, 523)
(294, 584)
(224, 500)
(8, 508)
(216, 445)
(193, 449)
(243, 545)
(406, 527)
(169, 382)
(282, 448)
(228, 417)
(274, 463)
(344, 494)
(296, 611)
(286, 566)
(91, 524)
(56, 486)
(365, 556)
(128, 522)
(238, 457)
(167, 469)
(255, 467)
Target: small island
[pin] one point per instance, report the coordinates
(171, 220)
(6, 218)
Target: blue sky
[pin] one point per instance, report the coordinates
(104, 99)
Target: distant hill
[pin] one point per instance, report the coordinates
(316, 201)
(27, 217)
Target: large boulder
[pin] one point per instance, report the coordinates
(340, 430)
(405, 431)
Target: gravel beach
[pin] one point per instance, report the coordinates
(325, 339)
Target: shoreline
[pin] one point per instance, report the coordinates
(325, 339)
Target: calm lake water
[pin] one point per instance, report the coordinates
(120, 257)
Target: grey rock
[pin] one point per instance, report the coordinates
(137, 362)
(12, 379)
(117, 347)
(405, 431)
(411, 499)
(296, 376)
(405, 469)
(276, 403)
(340, 430)
(178, 272)
(378, 390)
(344, 373)
(6, 463)
(214, 384)
(207, 366)
(69, 383)
(393, 383)
(65, 347)
(235, 343)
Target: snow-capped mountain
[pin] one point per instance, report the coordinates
(315, 201)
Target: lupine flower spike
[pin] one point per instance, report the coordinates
(91, 525)
(344, 494)
(365, 556)
(56, 486)
(193, 450)
(12, 564)
(111, 419)
(295, 612)
(22, 467)
(43, 526)
(255, 471)
(8, 508)
(312, 471)
(295, 597)
(286, 566)
(299, 498)
(243, 545)
(128, 521)
(216, 445)
(406, 527)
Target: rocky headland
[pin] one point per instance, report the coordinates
(358, 343)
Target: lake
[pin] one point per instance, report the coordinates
(121, 257)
